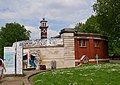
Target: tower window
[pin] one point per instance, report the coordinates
(82, 43)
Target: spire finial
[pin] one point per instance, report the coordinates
(43, 18)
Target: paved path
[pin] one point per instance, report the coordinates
(11, 81)
(19, 80)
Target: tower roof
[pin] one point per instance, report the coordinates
(43, 20)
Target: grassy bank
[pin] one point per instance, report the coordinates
(102, 74)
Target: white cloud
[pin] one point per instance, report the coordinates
(52, 33)
(32, 29)
(35, 33)
(68, 11)
(53, 9)
(8, 15)
(72, 25)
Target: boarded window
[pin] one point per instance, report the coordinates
(82, 43)
(97, 43)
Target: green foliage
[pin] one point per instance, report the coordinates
(108, 13)
(11, 33)
(102, 74)
(90, 26)
(106, 22)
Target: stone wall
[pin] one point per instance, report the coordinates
(63, 53)
(50, 54)
(69, 53)
(60, 49)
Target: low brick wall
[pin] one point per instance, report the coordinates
(92, 61)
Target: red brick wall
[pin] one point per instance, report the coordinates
(90, 50)
(79, 51)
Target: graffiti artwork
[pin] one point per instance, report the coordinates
(41, 42)
(19, 61)
(9, 56)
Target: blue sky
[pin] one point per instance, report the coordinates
(59, 14)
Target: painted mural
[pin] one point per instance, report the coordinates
(40, 42)
(9, 56)
(44, 56)
(19, 63)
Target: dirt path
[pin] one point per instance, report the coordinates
(12, 81)
(19, 80)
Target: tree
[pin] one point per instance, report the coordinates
(106, 21)
(108, 17)
(90, 26)
(11, 33)
(78, 27)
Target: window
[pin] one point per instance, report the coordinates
(82, 43)
(97, 43)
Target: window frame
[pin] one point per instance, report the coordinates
(82, 43)
(97, 43)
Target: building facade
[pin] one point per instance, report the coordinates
(89, 44)
(67, 49)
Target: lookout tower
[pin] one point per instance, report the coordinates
(43, 28)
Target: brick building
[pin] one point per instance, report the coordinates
(68, 49)
(89, 44)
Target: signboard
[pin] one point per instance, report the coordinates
(19, 64)
(9, 56)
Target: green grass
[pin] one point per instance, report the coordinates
(103, 74)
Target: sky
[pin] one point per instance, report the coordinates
(60, 14)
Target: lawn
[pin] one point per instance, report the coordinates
(102, 74)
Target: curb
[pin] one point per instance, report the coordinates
(26, 78)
